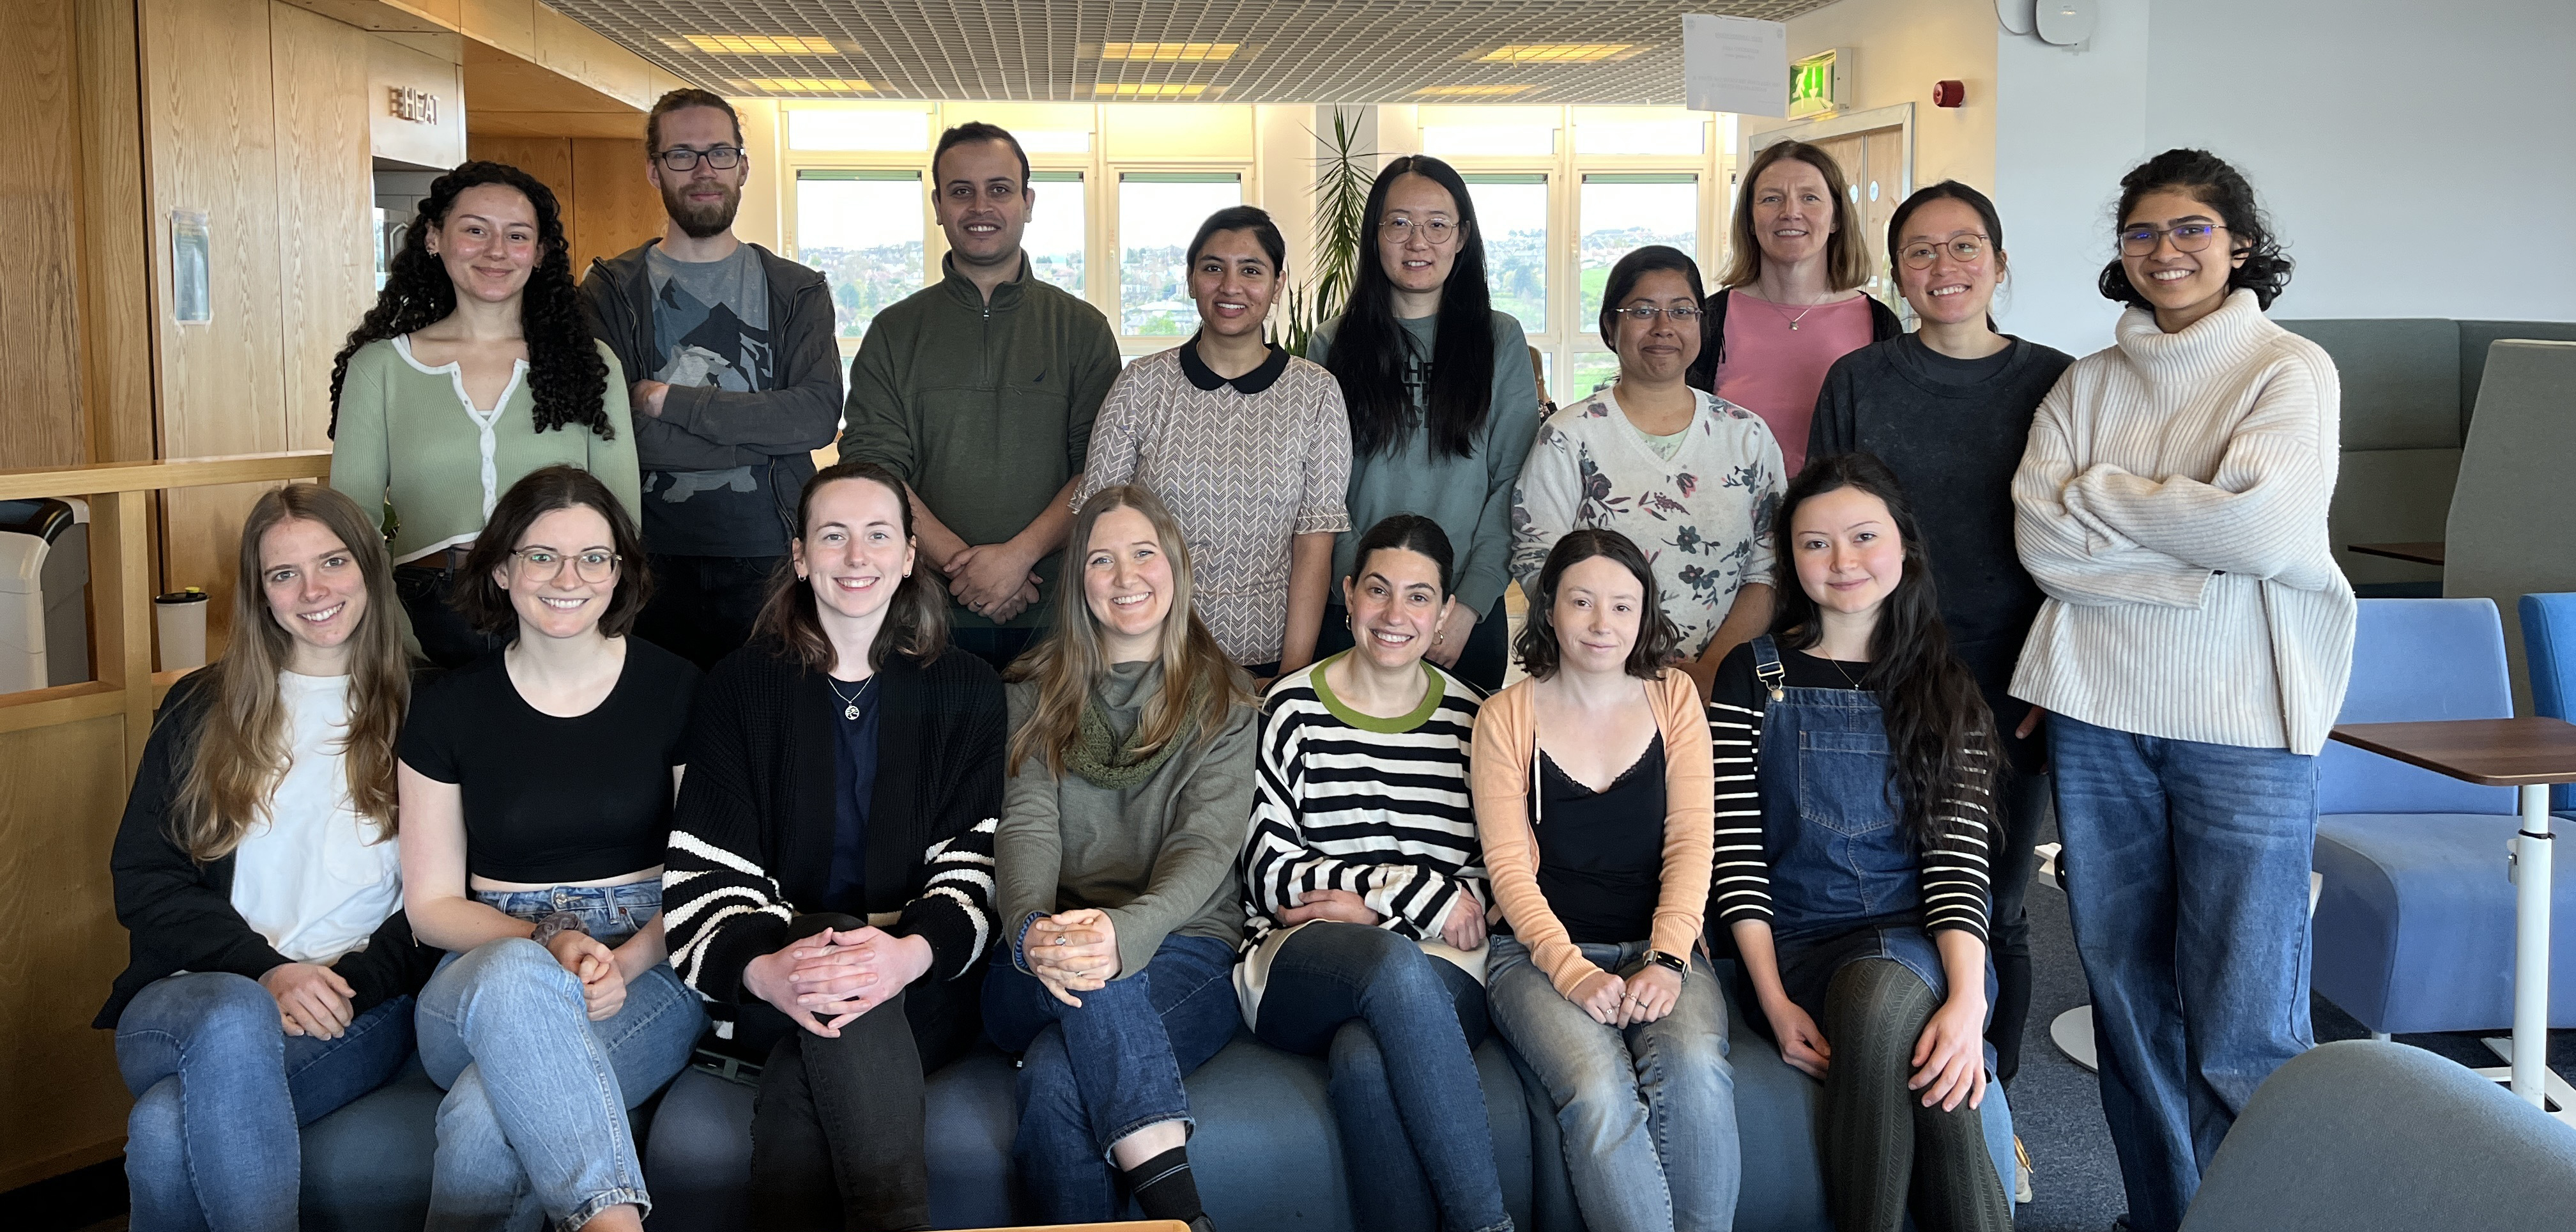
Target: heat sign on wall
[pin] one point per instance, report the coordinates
(1820, 83)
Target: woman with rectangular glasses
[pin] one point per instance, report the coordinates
(1948, 408)
(1689, 476)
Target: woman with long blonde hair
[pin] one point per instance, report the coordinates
(273, 969)
(1119, 903)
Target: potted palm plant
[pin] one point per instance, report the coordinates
(1343, 177)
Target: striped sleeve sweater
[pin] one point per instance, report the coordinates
(1377, 807)
(2172, 504)
(1956, 888)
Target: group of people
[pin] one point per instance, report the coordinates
(1101, 713)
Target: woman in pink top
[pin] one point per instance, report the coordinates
(1799, 271)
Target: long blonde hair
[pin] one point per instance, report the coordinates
(1071, 661)
(1846, 250)
(240, 751)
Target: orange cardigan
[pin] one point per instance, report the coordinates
(1506, 736)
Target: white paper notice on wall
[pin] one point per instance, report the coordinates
(1735, 64)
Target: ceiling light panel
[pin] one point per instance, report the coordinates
(1487, 91)
(803, 85)
(1246, 51)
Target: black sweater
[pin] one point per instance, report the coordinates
(1954, 435)
(751, 842)
(179, 914)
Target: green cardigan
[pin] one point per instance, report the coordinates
(407, 437)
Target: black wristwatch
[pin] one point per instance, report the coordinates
(1669, 962)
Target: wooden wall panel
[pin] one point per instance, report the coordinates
(116, 237)
(618, 208)
(40, 212)
(210, 119)
(547, 158)
(61, 791)
(326, 203)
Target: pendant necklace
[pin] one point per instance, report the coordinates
(1793, 321)
(850, 702)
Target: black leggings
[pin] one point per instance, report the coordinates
(1884, 1150)
(837, 1128)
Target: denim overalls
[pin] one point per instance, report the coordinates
(1846, 882)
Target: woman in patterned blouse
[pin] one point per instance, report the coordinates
(1245, 443)
(1691, 478)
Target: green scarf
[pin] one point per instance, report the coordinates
(1110, 763)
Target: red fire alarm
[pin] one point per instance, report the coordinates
(1949, 93)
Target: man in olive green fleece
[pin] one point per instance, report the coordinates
(980, 392)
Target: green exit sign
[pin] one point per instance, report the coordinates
(1817, 83)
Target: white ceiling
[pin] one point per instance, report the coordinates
(1290, 51)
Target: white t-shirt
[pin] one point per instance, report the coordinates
(312, 877)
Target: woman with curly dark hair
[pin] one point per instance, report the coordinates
(2193, 651)
(472, 370)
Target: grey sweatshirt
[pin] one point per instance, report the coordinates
(1157, 857)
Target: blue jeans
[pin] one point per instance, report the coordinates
(1647, 1112)
(220, 1089)
(2187, 882)
(1399, 1026)
(534, 1123)
(1091, 1076)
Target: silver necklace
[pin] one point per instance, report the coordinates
(1838, 666)
(1793, 321)
(850, 702)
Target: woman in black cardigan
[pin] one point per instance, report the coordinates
(273, 969)
(830, 878)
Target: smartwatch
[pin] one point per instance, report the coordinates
(1669, 962)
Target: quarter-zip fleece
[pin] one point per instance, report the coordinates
(985, 408)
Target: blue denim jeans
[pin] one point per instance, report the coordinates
(534, 1126)
(1647, 1112)
(2187, 882)
(220, 1089)
(1399, 1027)
(1093, 1075)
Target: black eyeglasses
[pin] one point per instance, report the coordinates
(2187, 237)
(682, 158)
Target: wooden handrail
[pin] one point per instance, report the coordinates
(110, 477)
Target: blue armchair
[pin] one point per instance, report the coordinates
(2414, 928)
(2549, 648)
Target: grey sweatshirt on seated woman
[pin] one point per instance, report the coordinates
(1157, 857)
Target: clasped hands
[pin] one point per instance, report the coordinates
(1463, 928)
(1072, 951)
(826, 981)
(993, 580)
(1632, 1002)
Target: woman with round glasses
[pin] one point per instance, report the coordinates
(536, 787)
(1794, 290)
(2192, 655)
(473, 369)
(1442, 403)
(1948, 408)
(1690, 477)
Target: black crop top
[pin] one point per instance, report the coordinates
(1601, 853)
(552, 801)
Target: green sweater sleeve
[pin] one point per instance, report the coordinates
(875, 427)
(1514, 420)
(1028, 845)
(1211, 814)
(1099, 369)
(359, 466)
(612, 459)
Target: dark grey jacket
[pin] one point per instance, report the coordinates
(703, 428)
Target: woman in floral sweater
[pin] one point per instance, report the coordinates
(1690, 478)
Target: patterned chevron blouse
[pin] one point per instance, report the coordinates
(1245, 464)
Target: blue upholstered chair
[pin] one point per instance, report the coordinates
(2549, 649)
(2371, 1137)
(2414, 929)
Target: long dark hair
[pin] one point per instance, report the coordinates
(916, 620)
(1371, 350)
(1657, 639)
(2212, 181)
(1939, 733)
(486, 603)
(567, 379)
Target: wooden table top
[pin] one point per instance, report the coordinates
(2419, 553)
(2489, 752)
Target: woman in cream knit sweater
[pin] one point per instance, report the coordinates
(2192, 654)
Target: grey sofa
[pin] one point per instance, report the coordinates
(2410, 386)
(2376, 1137)
(1266, 1153)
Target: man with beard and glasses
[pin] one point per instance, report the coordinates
(979, 392)
(741, 381)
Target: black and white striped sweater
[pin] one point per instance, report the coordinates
(751, 839)
(1955, 887)
(1377, 807)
